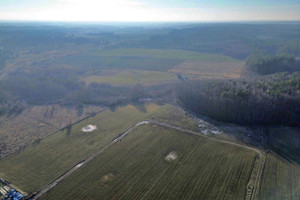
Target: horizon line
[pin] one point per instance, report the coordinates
(186, 21)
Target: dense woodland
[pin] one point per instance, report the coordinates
(266, 64)
(273, 99)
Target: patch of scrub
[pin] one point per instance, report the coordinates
(89, 128)
(171, 156)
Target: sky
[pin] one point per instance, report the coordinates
(150, 10)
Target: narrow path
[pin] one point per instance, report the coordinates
(201, 135)
(255, 181)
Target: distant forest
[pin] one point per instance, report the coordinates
(268, 100)
(271, 96)
(266, 64)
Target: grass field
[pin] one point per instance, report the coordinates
(280, 180)
(137, 59)
(37, 122)
(175, 116)
(210, 69)
(281, 177)
(131, 77)
(193, 65)
(88, 62)
(135, 168)
(164, 53)
(41, 163)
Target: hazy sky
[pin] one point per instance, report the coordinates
(149, 10)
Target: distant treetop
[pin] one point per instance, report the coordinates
(265, 64)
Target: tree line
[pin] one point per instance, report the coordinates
(265, 64)
(273, 99)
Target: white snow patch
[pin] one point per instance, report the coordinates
(79, 165)
(216, 132)
(171, 156)
(143, 122)
(201, 125)
(205, 132)
(89, 128)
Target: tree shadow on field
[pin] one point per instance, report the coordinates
(285, 142)
(68, 130)
(281, 140)
(79, 110)
(113, 108)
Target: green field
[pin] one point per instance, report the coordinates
(135, 168)
(90, 63)
(150, 66)
(131, 77)
(209, 69)
(41, 163)
(164, 53)
(281, 177)
(146, 66)
(137, 59)
(280, 180)
(175, 116)
(37, 122)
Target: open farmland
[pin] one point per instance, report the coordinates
(163, 53)
(47, 159)
(281, 175)
(131, 77)
(137, 168)
(90, 62)
(189, 63)
(37, 122)
(174, 115)
(210, 69)
(280, 180)
(138, 59)
(124, 66)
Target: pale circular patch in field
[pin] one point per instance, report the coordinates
(89, 128)
(171, 156)
(107, 178)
